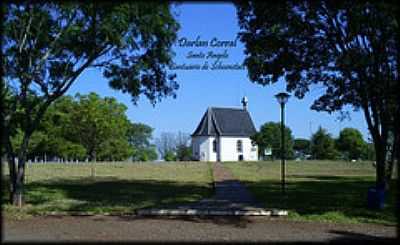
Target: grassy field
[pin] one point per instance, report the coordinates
(116, 187)
(317, 190)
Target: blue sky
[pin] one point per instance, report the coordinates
(201, 89)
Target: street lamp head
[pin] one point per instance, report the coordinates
(282, 97)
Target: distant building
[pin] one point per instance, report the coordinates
(223, 134)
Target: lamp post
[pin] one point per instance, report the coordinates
(282, 99)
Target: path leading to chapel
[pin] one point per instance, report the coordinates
(230, 198)
(229, 191)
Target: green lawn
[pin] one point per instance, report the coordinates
(116, 188)
(317, 190)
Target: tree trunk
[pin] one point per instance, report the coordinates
(93, 161)
(18, 198)
(380, 154)
(380, 165)
(18, 195)
(397, 152)
(11, 165)
(380, 142)
(12, 180)
(391, 163)
(397, 128)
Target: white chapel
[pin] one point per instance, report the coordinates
(223, 134)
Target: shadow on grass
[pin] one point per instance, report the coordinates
(110, 194)
(325, 177)
(117, 196)
(325, 197)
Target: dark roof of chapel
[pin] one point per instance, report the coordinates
(225, 122)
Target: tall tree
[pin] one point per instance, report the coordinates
(47, 46)
(146, 154)
(139, 136)
(351, 143)
(100, 125)
(52, 137)
(349, 47)
(166, 143)
(182, 139)
(174, 146)
(58, 126)
(269, 136)
(183, 149)
(184, 153)
(170, 156)
(323, 145)
(368, 152)
(302, 146)
(75, 129)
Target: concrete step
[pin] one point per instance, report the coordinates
(211, 212)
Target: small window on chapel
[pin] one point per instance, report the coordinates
(239, 146)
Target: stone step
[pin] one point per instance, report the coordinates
(210, 212)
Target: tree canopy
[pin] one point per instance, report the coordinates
(351, 143)
(302, 146)
(323, 145)
(87, 127)
(269, 136)
(139, 136)
(349, 48)
(47, 46)
(100, 125)
(174, 146)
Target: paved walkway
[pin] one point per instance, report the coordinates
(230, 189)
(229, 192)
(230, 198)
